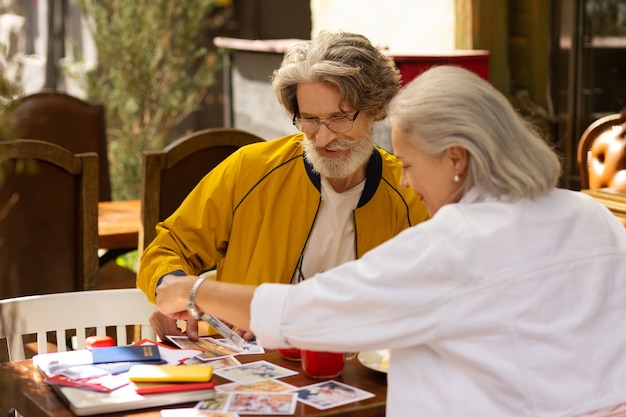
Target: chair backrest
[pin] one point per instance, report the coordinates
(83, 314)
(170, 174)
(48, 219)
(602, 153)
(67, 121)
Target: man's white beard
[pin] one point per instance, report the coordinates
(339, 167)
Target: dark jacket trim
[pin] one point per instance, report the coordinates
(373, 174)
(314, 176)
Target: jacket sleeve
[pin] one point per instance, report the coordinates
(195, 237)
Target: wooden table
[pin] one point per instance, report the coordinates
(118, 224)
(31, 397)
(613, 199)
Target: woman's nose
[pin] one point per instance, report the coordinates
(404, 182)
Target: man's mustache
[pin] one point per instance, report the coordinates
(336, 146)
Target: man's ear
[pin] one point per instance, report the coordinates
(458, 156)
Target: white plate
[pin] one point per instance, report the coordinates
(374, 359)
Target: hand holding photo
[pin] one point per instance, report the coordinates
(224, 330)
(210, 349)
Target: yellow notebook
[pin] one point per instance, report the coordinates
(171, 373)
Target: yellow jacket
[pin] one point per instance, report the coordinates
(251, 216)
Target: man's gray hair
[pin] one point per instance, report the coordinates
(366, 78)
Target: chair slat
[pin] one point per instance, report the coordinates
(61, 341)
(80, 338)
(42, 345)
(120, 332)
(16, 348)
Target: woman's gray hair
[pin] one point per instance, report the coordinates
(450, 106)
(366, 78)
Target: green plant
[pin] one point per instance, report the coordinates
(153, 71)
(10, 87)
(607, 17)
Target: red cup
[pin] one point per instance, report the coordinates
(292, 354)
(99, 341)
(322, 364)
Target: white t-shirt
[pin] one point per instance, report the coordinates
(332, 240)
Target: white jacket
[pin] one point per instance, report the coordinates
(489, 309)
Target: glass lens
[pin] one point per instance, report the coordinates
(307, 125)
(339, 124)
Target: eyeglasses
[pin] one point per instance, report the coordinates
(337, 124)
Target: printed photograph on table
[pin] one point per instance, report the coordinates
(330, 394)
(217, 403)
(225, 362)
(83, 372)
(249, 348)
(99, 383)
(254, 371)
(210, 349)
(262, 403)
(192, 412)
(267, 385)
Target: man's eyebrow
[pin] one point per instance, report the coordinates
(338, 113)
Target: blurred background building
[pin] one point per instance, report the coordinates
(561, 62)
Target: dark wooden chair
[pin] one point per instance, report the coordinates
(67, 121)
(170, 174)
(77, 125)
(602, 153)
(48, 219)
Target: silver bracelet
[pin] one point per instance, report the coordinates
(192, 309)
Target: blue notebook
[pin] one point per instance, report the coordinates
(143, 353)
(115, 368)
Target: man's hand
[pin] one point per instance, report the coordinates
(166, 326)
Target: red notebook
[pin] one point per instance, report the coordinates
(155, 388)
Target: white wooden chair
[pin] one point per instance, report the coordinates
(81, 311)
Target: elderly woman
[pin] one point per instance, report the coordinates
(510, 301)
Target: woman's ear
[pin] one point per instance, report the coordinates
(458, 157)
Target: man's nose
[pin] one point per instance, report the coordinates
(324, 135)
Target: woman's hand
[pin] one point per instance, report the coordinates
(172, 299)
(172, 296)
(227, 301)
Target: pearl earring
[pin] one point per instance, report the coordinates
(456, 178)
